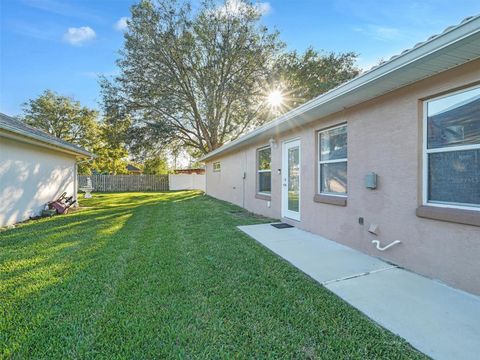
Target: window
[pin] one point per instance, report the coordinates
(452, 150)
(264, 171)
(216, 166)
(332, 161)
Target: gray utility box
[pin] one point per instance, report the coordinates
(371, 180)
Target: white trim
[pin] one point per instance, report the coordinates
(454, 205)
(334, 194)
(264, 147)
(455, 92)
(333, 127)
(424, 155)
(333, 161)
(264, 193)
(321, 162)
(453, 148)
(426, 151)
(286, 213)
(258, 171)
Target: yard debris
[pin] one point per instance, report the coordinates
(60, 205)
(48, 212)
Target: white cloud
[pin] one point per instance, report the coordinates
(97, 74)
(121, 24)
(80, 35)
(264, 7)
(384, 33)
(237, 7)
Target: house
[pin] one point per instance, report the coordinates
(35, 168)
(197, 171)
(393, 154)
(133, 170)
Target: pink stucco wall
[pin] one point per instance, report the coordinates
(384, 136)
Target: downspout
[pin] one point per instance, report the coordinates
(244, 177)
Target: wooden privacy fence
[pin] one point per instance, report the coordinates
(107, 183)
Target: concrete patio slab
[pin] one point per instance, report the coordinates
(322, 259)
(438, 320)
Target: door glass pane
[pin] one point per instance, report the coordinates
(293, 178)
(334, 178)
(454, 177)
(454, 120)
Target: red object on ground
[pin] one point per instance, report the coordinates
(60, 207)
(62, 204)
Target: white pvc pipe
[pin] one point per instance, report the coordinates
(377, 244)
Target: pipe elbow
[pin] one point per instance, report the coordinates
(386, 247)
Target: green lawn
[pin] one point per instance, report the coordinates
(168, 275)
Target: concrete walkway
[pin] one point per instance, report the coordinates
(438, 320)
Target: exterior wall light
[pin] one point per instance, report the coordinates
(273, 143)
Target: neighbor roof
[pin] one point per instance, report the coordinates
(131, 167)
(17, 127)
(456, 45)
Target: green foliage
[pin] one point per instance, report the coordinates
(109, 160)
(156, 166)
(168, 276)
(302, 77)
(111, 150)
(62, 117)
(195, 75)
(264, 158)
(68, 120)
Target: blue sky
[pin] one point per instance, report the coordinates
(63, 45)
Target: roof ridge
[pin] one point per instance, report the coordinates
(419, 44)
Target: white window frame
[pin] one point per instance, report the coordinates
(426, 152)
(320, 162)
(263, 171)
(215, 168)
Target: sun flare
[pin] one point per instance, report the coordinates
(275, 98)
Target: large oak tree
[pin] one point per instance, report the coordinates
(202, 78)
(197, 75)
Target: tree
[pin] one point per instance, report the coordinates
(114, 132)
(301, 77)
(197, 77)
(62, 117)
(156, 166)
(110, 156)
(66, 119)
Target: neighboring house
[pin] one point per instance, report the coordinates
(133, 170)
(35, 168)
(395, 151)
(200, 171)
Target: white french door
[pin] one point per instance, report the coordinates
(291, 179)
